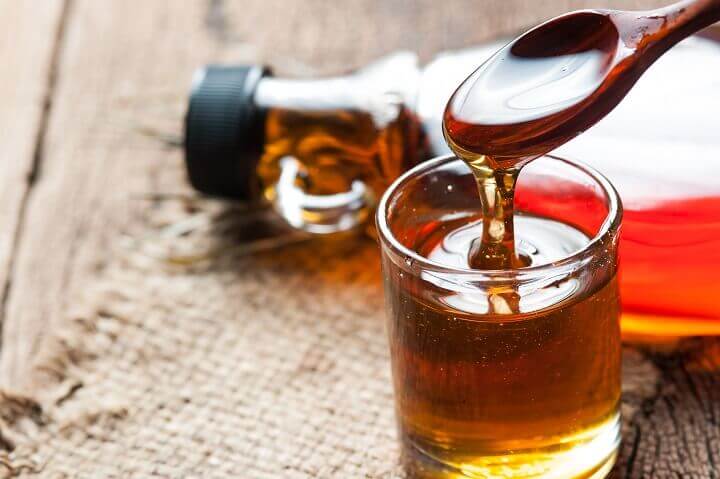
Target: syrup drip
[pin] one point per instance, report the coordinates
(543, 89)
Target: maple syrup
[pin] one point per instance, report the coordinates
(490, 383)
(319, 151)
(510, 372)
(627, 148)
(516, 395)
(524, 101)
(337, 148)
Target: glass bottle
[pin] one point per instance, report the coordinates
(319, 151)
(659, 148)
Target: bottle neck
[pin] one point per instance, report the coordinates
(378, 89)
(308, 95)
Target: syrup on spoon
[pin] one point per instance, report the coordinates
(543, 89)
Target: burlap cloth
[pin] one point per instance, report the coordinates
(188, 357)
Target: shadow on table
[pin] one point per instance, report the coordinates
(223, 237)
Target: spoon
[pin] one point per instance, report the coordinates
(560, 78)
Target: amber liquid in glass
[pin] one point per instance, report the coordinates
(486, 391)
(487, 385)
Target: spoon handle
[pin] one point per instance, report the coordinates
(651, 33)
(689, 16)
(681, 20)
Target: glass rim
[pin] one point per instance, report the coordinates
(610, 225)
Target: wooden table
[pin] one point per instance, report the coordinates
(84, 81)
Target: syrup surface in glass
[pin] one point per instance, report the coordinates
(498, 384)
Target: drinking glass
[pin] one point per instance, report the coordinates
(504, 373)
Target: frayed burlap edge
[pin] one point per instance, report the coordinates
(87, 405)
(78, 399)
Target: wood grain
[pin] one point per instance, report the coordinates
(27, 44)
(126, 66)
(305, 37)
(671, 408)
(123, 68)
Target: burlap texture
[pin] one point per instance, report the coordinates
(189, 357)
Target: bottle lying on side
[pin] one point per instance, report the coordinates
(321, 151)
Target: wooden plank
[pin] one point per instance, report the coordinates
(124, 66)
(121, 67)
(316, 36)
(27, 42)
(671, 408)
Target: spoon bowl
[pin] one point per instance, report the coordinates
(560, 78)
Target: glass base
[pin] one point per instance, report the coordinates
(590, 458)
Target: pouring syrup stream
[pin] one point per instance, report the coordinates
(543, 89)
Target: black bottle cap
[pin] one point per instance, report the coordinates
(224, 131)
